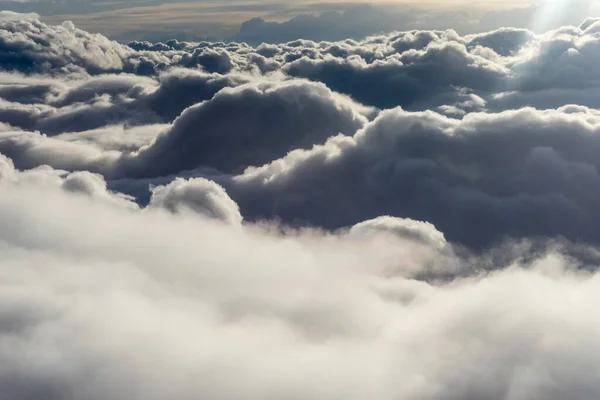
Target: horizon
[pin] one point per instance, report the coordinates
(160, 21)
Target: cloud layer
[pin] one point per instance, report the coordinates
(409, 216)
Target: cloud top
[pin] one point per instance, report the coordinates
(409, 216)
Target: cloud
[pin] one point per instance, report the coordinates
(30, 150)
(56, 47)
(155, 305)
(183, 122)
(15, 16)
(116, 137)
(210, 60)
(360, 21)
(180, 216)
(198, 195)
(416, 75)
(248, 126)
(91, 103)
(6, 168)
(479, 179)
(81, 183)
(30, 46)
(93, 185)
(181, 88)
(420, 232)
(354, 22)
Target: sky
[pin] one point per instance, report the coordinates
(376, 202)
(194, 20)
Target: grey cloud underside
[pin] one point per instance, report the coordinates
(411, 216)
(520, 173)
(478, 164)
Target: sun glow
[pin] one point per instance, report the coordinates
(551, 11)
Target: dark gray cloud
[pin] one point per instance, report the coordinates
(413, 76)
(30, 46)
(503, 41)
(235, 106)
(89, 103)
(210, 60)
(181, 88)
(479, 180)
(269, 120)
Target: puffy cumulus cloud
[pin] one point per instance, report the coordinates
(115, 86)
(198, 195)
(418, 70)
(504, 41)
(288, 238)
(7, 168)
(94, 185)
(81, 183)
(30, 46)
(180, 88)
(436, 257)
(210, 60)
(32, 103)
(239, 127)
(116, 137)
(82, 104)
(249, 126)
(411, 68)
(416, 75)
(156, 305)
(479, 179)
(188, 122)
(30, 150)
(419, 231)
(24, 89)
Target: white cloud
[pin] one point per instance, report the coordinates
(153, 306)
(227, 230)
(15, 16)
(197, 195)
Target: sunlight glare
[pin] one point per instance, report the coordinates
(549, 11)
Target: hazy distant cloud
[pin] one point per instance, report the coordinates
(355, 22)
(358, 22)
(15, 16)
(210, 60)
